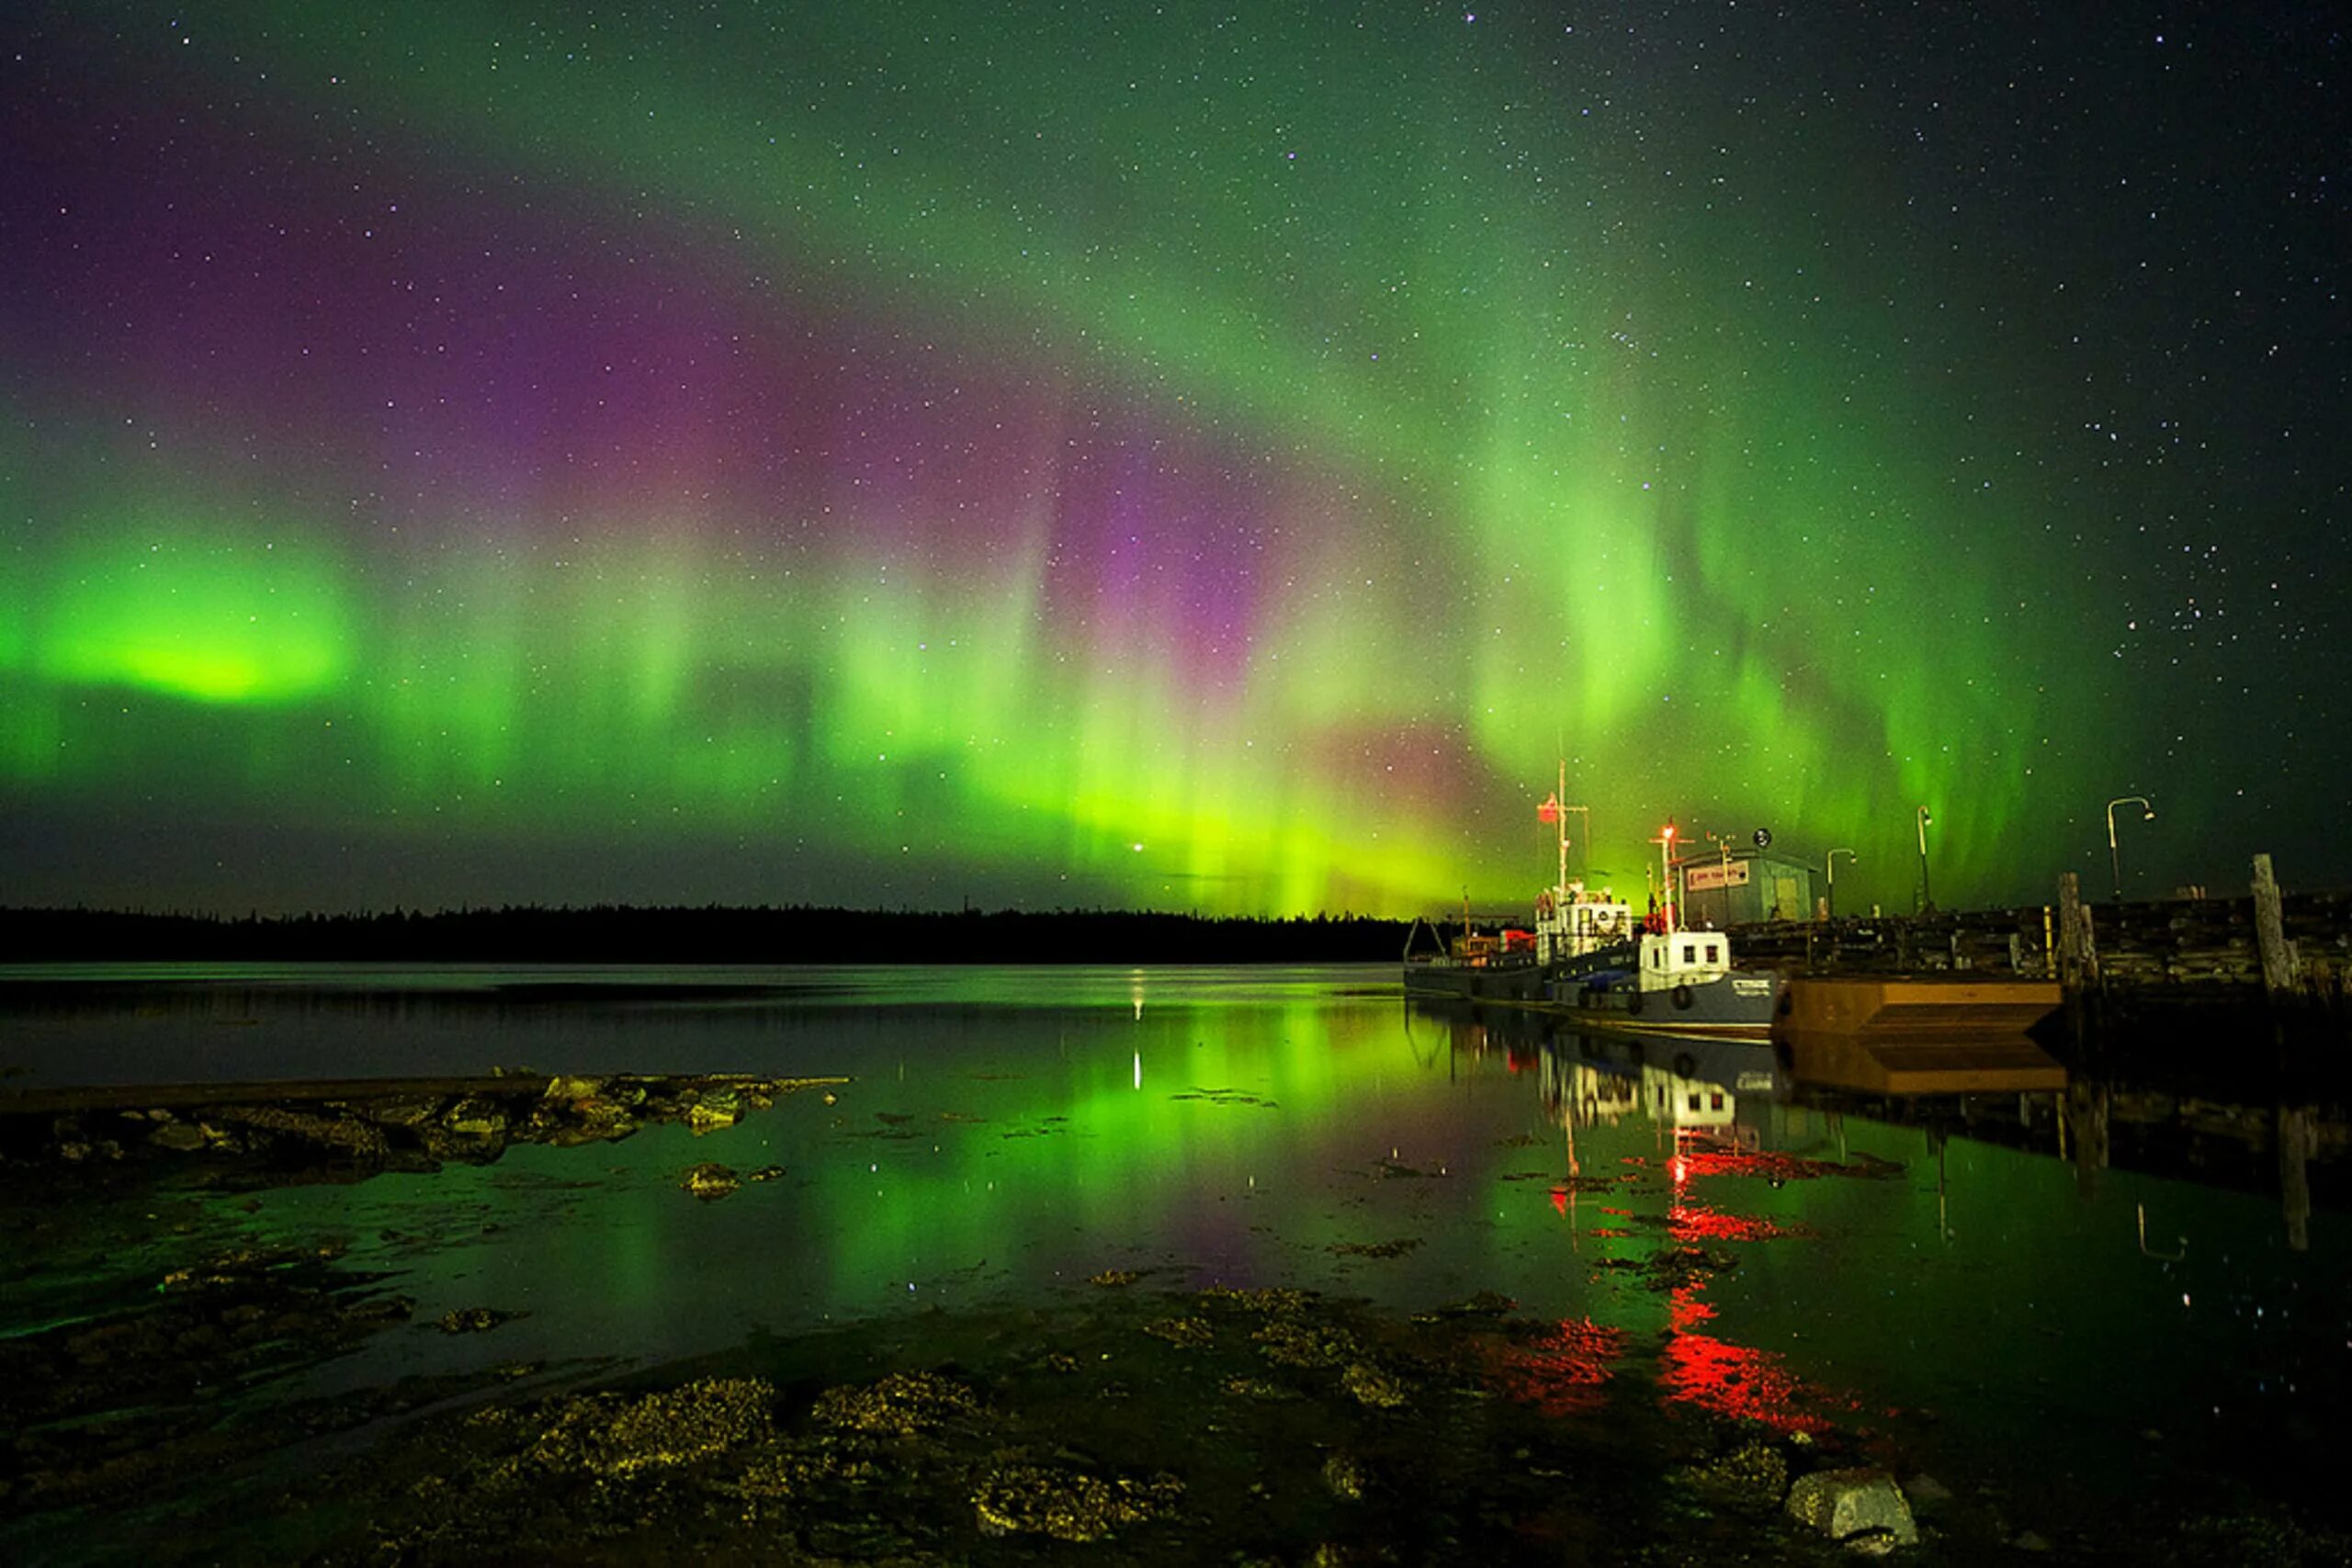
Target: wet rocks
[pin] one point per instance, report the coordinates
(1368, 1385)
(614, 1436)
(1185, 1333)
(1068, 1503)
(902, 1404)
(337, 1136)
(710, 1110)
(1753, 1477)
(1344, 1477)
(710, 1181)
(1845, 1505)
(476, 1320)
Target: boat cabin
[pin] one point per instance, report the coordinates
(1481, 950)
(1684, 958)
(1571, 921)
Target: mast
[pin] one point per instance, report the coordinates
(1560, 888)
(1665, 842)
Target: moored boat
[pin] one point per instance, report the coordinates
(1588, 957)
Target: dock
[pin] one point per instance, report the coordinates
(2118, 965)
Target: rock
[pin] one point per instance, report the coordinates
(1344, 1478)
(1372, 1386)
(475, 1117)
(2029, 1541)
(401, 1110)
(1185, 1333)
(709, 1182)
(609, 1436)
(903, 1404)
(715, 1109)
(181, 1135)
(570, 1089)
(1846, 1503)
(1754, 1477)
(1068, 1504)
(1926, 1491)
(475, 1320)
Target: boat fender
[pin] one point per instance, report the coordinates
(1684, 1067)
(1634, 1001)
(1682, 998)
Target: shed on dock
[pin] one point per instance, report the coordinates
(1743, 887)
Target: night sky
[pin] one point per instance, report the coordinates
(1195, 457)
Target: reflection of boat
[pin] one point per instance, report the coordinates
(1686, 1082)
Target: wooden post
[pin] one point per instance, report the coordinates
(2077, 947)
(2279, 968)
(2298, 1141)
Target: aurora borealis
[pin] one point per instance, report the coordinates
(1182, 457)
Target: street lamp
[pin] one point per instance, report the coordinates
(2114, 855)
(1927, 899)
(1833, 877)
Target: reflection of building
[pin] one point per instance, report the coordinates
(1686, 1102)
(1732, 889)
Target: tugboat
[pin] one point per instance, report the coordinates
(1668, 979)
(1477, 967)
(1587, 955)
(1514, 965)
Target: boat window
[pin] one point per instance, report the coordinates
(1715, 1100)
(1690, 953)
(1714, 953)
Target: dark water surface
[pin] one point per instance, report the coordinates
(1998, 1309)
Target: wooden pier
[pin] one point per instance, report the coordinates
(2289, 955)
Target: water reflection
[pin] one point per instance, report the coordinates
(1697, 1228)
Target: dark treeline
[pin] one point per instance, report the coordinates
(614, 934)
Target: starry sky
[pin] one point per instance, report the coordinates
(1179, 456)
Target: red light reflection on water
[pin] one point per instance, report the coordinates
(1566, 1373)
(1696, 1222)
(1736, 1380)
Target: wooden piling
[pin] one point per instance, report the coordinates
(2280, 969)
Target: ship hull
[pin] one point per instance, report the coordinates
(1476, 983)
(1740, 1005)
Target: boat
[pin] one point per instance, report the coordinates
(1588, 957)
(1479, 966)
(1676, 982)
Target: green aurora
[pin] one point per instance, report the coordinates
(904, 453)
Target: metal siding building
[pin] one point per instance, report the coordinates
(1744, 887)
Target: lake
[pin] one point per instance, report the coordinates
(2076, 1325)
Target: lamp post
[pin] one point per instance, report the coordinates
(1665, 842)
(1927, 898)
(2114, 855)
(1833, 877)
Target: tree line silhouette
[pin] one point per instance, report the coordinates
(711, 934)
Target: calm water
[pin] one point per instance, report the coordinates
(2012, 1318)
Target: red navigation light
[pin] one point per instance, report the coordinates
(1669, 830)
